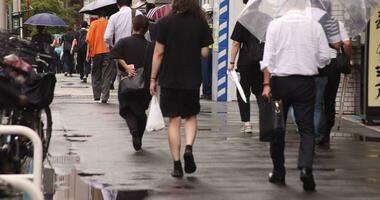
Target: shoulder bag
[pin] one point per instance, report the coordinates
(133, 83)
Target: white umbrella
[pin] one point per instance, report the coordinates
(234, 77)
(93, 7)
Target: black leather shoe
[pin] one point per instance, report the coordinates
(190, 166)
(137, 143)
(276, 178)
(177, 170)
(307, 178)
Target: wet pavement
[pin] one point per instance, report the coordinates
(92, 156)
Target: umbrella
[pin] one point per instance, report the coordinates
(343, 94)
(92, 8)
(234, 77)
(356, 14)
(258, 14)
(159, 12)
(45, 19)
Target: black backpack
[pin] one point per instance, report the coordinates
(81, 40)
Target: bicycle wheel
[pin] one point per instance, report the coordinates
(45, 128)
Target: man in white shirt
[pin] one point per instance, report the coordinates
(119, 26)
(296, 46)
(120, 23)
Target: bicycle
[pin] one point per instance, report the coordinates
(14, 150)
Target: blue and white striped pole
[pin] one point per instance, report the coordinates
(223, 49)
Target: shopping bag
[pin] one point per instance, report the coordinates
(234, 77)
(155, 120)
(271, 119)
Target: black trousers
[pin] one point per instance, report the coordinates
(68, 62)
(299, 92)
(329, 98)
(136, 124)
(83, 67)
(249, 85)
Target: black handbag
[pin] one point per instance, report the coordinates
(133, 83)
(271, 119)
(340, 64)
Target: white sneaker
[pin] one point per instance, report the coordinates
(246, 127)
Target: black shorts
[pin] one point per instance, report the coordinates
(179, 102)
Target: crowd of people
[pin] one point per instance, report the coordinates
(287, 67)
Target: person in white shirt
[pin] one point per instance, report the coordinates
(119, 26)
(296, 46)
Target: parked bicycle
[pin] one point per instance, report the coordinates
(35, 113)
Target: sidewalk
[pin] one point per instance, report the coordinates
(95, 141)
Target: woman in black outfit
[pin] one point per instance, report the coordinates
(132, 53)
(183, 38)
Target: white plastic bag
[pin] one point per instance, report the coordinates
(155, 119)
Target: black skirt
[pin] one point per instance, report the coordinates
(179, 102)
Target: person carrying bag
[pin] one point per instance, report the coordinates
(134, 55)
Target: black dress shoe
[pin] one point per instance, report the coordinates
(276, 178)
(137, 143)
(307, 178)
(177, 170)
(190, 166)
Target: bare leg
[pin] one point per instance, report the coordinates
(191, 129)
(174, 137)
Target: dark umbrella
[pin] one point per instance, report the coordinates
(45, 19)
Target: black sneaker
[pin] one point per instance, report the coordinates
(190, 166)
(276, 178)
(104, 101)
(307, 178)
(84, 80)
(177, 170)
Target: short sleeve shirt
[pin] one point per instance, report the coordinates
(183, 36)
(252, 49)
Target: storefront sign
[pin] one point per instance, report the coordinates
(374, 61)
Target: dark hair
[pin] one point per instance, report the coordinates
(101, 13)
(124, 2)
(84, 24)
(188, 7)
(140, 24)
(245, 1)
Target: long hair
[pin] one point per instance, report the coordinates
(190, 7)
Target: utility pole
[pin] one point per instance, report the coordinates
(3, 14)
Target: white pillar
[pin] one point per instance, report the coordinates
(3, 15)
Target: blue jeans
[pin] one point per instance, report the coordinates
(319, 114)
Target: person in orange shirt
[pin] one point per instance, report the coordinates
(97, 49)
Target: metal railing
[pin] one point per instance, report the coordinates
(21, 181)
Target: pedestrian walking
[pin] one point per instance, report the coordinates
(329, 96)
(133, 53)
(295, 48)
(80, 46)
(42, 41)
(68, 57)
(183, 38)
(250, 51)
(97, 50)
(120, 26)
